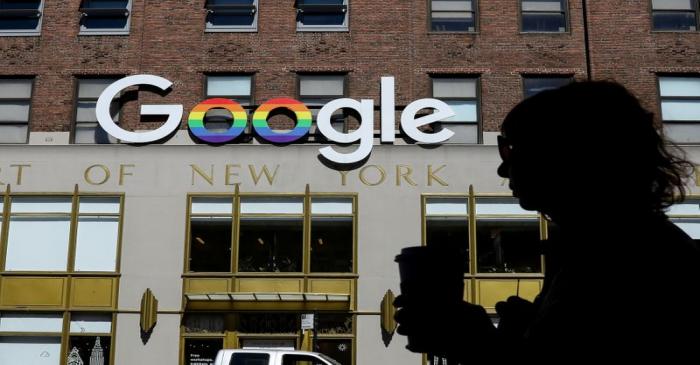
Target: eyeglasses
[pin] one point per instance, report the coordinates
(505, 148)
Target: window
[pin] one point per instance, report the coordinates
(332, 235)
(680, 107)
(686, 215)
(322, 15)
(447, 222)
(15, 101)
(86, 129)
(43, 224)
(232, 15)
(267, 233)
(507, 237)
(300, 360)
(35, 338)
(536, 84)
(235, 87)
(271, 235)
(21, 17)
(90, 338)
(674, 15)
(544, 15)
(452, 16)
(461, 94)
(317, 90)
(105, 17)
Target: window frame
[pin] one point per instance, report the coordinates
(477, 98)
(660, 99)
(236, 215)
(255, 8)
(345, 27)
(77, 100)
(471, 200)
(314, 133)
(565, 12)
(31, 98)
(26, 32)
(696, 5)
(474, 12)
(569, 77)
(673, 217)
(82, 30)
(73, 215)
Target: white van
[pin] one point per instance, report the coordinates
(271, 357)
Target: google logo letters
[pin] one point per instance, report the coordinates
(364, 134)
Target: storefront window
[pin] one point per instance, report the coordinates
(202, 351)
(334, 324)
(332, 235)
(507, 237)
(269, 323)
(339, 350)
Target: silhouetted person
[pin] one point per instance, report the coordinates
(621, 281)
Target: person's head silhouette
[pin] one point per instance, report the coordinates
(589, 147)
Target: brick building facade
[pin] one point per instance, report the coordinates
(179, 222)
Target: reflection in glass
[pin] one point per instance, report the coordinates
(210, 244)
(508, 246)
(270, 244)
(204, 323)
(331, 244)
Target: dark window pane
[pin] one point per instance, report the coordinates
(674, 21)
(320, 2)
(204, 323)
(24, 23)
(544, 22)
(106, 4)
(92, 133)
(331, 244)
(104, 22)
(202, 351)
(339, 350)
(334, 324)
(508, 246)
(330, 19)
(230, 2)
(89, 349)
(269, 323)
(26, 4)
(535, 85)
(250, 359)
(447, 231)
(453, 25)
(210, 244)
(229, 20)
(270, 244)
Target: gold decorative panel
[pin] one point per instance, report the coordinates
(491, 291)
(32, 292)
(93, 293)
(197, 285)
(331, 286)
(249, 285)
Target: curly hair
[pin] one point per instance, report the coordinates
(600, 127)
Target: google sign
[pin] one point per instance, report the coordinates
(364, 134)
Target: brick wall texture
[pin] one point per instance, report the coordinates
(389, 37)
